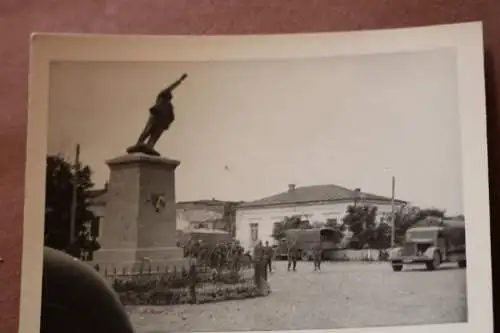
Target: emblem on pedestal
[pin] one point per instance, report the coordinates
(158, 201)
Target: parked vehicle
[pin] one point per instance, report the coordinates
(209, 237)
(431, 242)
(306, 239)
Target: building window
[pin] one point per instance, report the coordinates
(254, 232)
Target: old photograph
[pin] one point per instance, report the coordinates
(230, 184)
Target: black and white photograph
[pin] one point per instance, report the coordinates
(328, 182)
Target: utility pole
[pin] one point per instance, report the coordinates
(393, 212)
(74, 199)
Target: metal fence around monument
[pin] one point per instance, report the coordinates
(200, 283)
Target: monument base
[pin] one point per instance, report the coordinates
(142, 148)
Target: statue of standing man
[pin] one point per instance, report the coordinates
(161, 116)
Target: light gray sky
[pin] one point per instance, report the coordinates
(351, 121)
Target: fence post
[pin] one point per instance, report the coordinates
(263, 267)
(192, 281)
(257, 274)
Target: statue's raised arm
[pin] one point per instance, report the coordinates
(174, 85)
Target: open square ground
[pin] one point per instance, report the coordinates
(344, 294)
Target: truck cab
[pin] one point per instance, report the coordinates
(431, 243)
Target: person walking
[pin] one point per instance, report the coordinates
(268, 257)
(292, 256)
(317, 254)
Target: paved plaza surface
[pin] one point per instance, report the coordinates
(343, 295)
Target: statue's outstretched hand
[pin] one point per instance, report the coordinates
(184, 76)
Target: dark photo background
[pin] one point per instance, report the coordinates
(20, 18)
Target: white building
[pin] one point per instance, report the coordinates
(255, 220)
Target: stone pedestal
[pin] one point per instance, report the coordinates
(139, 223)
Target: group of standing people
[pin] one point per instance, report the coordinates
(294, 255)
(230, 254)
(266, 254)
(223, 254)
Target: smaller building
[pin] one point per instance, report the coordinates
(207, 214)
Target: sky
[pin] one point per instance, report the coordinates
(244, 130)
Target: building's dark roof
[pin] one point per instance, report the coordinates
(97, 197)
(212, 202)
(315, 194)
(94, 193)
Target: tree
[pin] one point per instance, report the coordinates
(360, 220)
(289, 222)
(405, 219)
(58, 202)
(381, 236)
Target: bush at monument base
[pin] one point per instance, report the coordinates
(147, 282)
(182, 296)
(181, 287)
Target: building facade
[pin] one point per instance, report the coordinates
(318, 204)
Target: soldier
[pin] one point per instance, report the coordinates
(317, 254)
(229, 254)
(215, 256)
(195, 250)
(237, 255)
(268, 257)
(292, 256)
(222, 254)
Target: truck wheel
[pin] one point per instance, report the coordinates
(462, 263)
(434, 263)
(397, 266)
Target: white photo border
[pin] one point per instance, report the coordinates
(465, 38)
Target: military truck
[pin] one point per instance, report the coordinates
(431, 242)
(306, 239)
